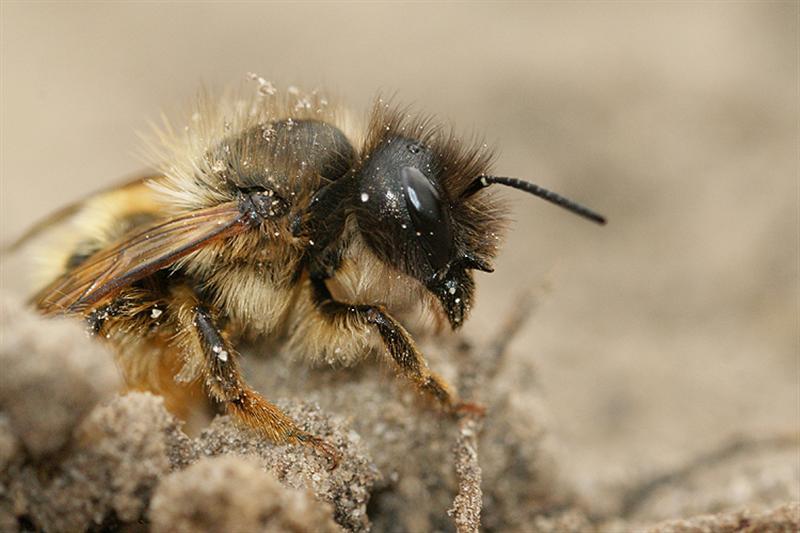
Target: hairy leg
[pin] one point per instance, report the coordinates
(211, 356)
(138, 327)
(398, 343)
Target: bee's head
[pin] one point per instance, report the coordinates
(420, 206)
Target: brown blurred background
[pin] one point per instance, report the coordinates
(666, 332)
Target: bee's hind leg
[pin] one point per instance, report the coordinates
(219, 366)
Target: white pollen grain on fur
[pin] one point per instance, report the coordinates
(364, 197)
(222, 355)
(155, 313)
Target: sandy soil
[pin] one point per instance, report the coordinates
(665, 335)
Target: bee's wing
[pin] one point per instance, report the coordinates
(66, 212)
(109, 270)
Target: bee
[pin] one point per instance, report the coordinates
(269, 215)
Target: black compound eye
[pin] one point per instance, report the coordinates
(422, 199)
(428, 216)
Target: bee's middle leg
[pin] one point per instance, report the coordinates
(219, 366)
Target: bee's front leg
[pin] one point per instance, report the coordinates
(219, 365)
(398, 343)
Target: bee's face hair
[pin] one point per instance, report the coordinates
(411, 207)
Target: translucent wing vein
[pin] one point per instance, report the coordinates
(138, 255)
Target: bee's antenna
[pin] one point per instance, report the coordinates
(484, 181)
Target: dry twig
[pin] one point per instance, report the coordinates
(466, 509)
